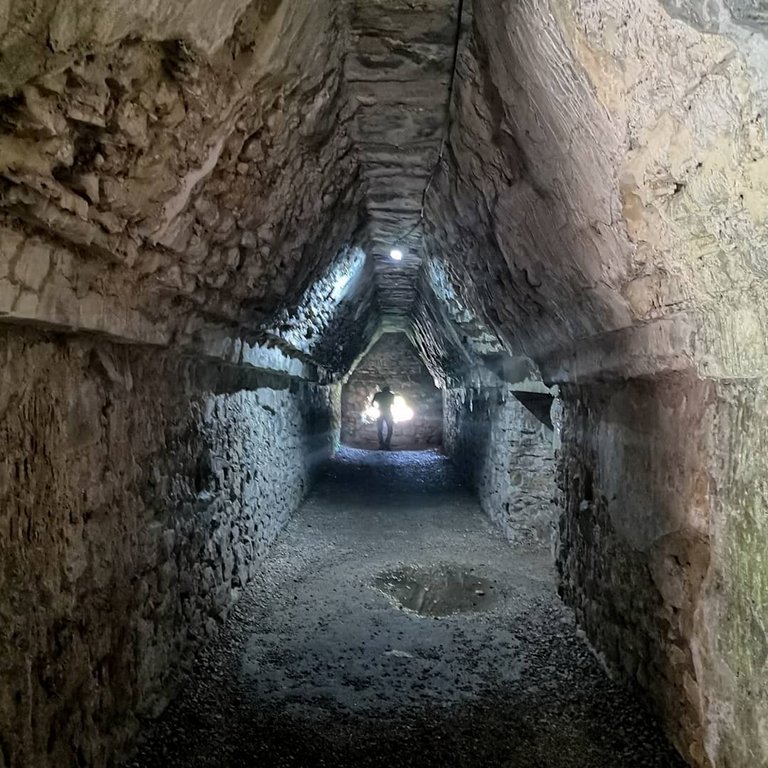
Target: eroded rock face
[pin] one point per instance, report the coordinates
(603, 172)
(180, 180)
(605, 175)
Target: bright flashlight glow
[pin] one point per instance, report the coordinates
(396, 254)
(401, 411)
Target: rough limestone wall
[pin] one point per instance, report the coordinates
(635, 545)
(394, 361)
(605, 182)
(617, 232)
(506, 455)
(734, 651)
(180, 166)
(665, 564)
(138, 493)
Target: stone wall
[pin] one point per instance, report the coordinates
(394, 361)
(196, 160)
(507, 456)
(634, 545)
(138, 493)
(661, 551)
(733, 652)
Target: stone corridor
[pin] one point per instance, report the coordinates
(318, 667)
(224, 224)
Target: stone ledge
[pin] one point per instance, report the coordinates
(662, 346)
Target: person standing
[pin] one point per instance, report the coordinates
(384, 399)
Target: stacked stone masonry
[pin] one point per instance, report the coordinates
(666, 566)
(138, 493)
(506, 454)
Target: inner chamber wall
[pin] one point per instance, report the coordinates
(393, 361)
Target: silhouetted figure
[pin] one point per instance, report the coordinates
(384, 399)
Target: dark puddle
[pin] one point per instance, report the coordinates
(435, 590)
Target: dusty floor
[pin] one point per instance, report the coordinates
(317, 667)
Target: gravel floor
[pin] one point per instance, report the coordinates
(318, 667)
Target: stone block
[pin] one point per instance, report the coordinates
(10, 240)
(33, 264)
(8, 295)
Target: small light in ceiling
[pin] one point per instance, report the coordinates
(396, 254)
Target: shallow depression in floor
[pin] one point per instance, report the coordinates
(440, 589)
(366, 642)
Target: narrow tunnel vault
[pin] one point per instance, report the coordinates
(198, 213)
(332, 672)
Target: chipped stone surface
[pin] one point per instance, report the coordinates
(171, 164)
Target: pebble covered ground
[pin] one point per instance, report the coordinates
(317, 666)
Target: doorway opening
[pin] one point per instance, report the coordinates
(417, 411)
